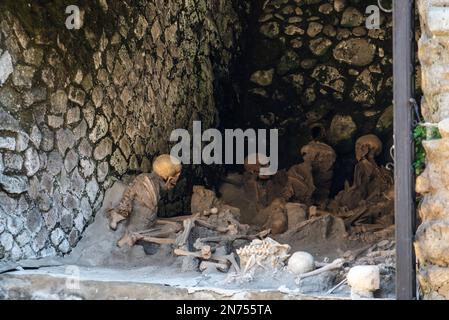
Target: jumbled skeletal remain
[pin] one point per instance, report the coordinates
(140, 199)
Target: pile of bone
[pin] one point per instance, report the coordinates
(266, 254)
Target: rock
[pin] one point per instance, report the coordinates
(87, 167)
(319, 283)
(14, 184)
(296, 213)
(12, 162)
(73, 115)
(330, 77)
(8, 143)
(351, 18)
(65, 140)
(339, 5)
(55, 122)
(57, 236)
(32, 162)
(118, 162)
(54, 163)
(102, 171)
(320, 46)
(263, 77)
(301, 262)
(103, 149)
(92, 190)
(357, 52)
(48, 137)
(141, 27)
(296, 80)
(289, 62)
(58, 102)
(71, 160)
(364, 91)
(385, 122)
(33, 56)
(292, 30)
(6, 240)
(342, 129)
(100, 130)
(97, 96)
(363, 280)
(6, 67)
(21, 142)
(14, 225)
(23, 76)
(270, 29)
(314, 29)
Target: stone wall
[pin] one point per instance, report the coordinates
(432, 236)
(315, 71)
(80, 108)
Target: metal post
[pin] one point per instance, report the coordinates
(403, 69)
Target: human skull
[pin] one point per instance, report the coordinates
(321, 155)
(168, 168)
(368, 147)
(254, 162)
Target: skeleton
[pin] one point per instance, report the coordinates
(370, 197)
(266, 254)
(140, 200)
(310, 181)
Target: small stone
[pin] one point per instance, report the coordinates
(6, 67)
(100, 130)
(23, 76)
(292, 30)
(8, 143)
(102, 171)
(87, 167)
(14, 184)
(58, 102)
(103, 149)
(156, 30)
(329, 31)
(97, 96)
(23, 238)
(21, 142)
(73, 115)
(6, 240)
(357, 52)
(14, 225)
(314, 29)
(33, 56)
(78, 183)
(339, 5)
(320, 46)
(32, 162)
(12, 162)
(270, 29)
(141, 27)
(65, 140)
(77, 96)
(54, 163)
(51, 217)
(263, 77)
(118, 162)
(329, 77)
(71, 160)
(342, 129)
(66, 221)
(84, 148)
(57, 236)
(81, 130)
(48, 138)
(55, 122)
(351, 18)
(326, 8)
(92, 190)
(359, 31)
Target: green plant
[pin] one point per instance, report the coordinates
(420, 133)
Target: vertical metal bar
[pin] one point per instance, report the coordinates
(403, 66)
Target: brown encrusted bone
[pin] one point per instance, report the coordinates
(168, 168)
(368, 147)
